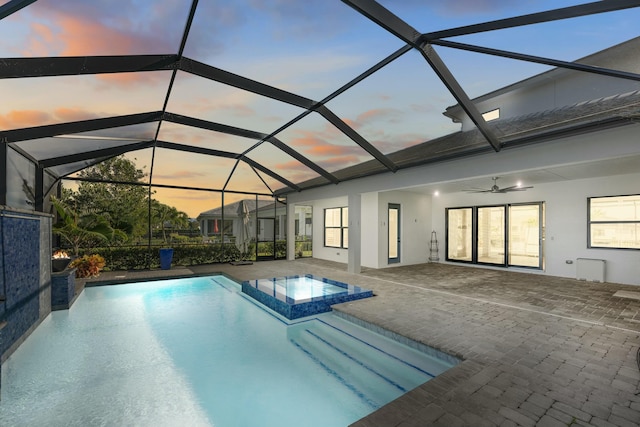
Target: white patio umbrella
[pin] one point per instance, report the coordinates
(245, 234)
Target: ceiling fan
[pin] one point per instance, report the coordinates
(495, 189)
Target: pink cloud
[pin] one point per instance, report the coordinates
(18, 119)
(73, 114)
(352, 124)
(376, 115)
(329, 150)
(179, 175)
(81, 28)
(340, 162)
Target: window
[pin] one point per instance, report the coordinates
(491, 115)
(505, 235)
(614, 222)
(336, 227)
(213, 227)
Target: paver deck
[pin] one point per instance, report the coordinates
(536, 350)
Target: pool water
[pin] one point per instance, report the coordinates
(300, 296)
(298, 289)
(198, 352)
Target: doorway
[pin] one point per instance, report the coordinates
(394, 233)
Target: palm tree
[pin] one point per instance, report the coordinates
(165, 215)
(82, 231)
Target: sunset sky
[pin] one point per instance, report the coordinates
(310, 48)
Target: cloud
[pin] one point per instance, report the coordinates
(18, 119)
(340, 162)
(73, 114)
(377, 115)
(89, 28)
(179, 175)
(316, 144)
(352, 124)
(79, 28)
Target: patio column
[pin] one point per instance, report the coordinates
(355, 239)
(3, 174)
(39, 190)
(291, 231)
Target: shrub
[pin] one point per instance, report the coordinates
(140, 257)
(88, 265)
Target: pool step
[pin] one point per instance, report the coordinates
(369, 372)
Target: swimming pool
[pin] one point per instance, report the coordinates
(198, 352)
(299, 296)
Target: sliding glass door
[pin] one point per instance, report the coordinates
(459, 234)
(507, 235)
(491, 235)
(525, 235)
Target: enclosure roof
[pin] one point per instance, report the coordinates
(272, 97)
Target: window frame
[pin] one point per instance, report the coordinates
(591, 222)
(343, 227)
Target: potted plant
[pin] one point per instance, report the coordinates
(88, 265)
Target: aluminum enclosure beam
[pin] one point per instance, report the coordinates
(36, 132)
(539, 60)
(355, 136)
(387, 20)
(174, 187)
(226, 154)
(212, 73)
(383, 17)
(245, 133)
(13, 68)
(13, 6)
(94, 154)
(536, 18)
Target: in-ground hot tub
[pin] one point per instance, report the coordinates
(299, 296)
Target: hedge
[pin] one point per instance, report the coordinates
(140, 257)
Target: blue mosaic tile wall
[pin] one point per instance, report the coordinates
(63, 289)
(21, 253)
(25, 281)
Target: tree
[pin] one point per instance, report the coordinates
(164, 215)
(82, 231)
(124, 206)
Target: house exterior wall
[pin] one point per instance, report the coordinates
(319, 250)
(565, 201)
(415, 227)
(566, 223)
(370, 224)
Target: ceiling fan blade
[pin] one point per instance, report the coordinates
(514, 188)
(477, 190)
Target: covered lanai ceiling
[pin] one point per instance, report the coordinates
(277, 96)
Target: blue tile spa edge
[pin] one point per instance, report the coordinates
(286, 306)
